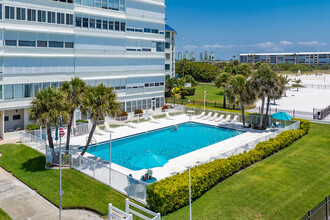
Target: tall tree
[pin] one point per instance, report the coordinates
(73, 92)
(244, 69)
(99, 102)
(275, 90)
(221, 81)
(297, 83)
(239, 89)
(47, 106)
(171, 83)
(261, 84)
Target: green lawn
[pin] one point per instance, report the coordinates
(80, 191)
(4, 216)
(283, 186)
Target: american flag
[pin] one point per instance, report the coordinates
(62, 133)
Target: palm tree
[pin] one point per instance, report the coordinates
(222, 81)
(73, 92)
(171, 83)
(261, 83)
(47, 106)
(244, 69)
(239, 89)
(99, 101)
(285, 81)
(276, 89)
(297, 83)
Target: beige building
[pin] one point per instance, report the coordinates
(170, 34)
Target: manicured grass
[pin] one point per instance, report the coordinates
(4, 216)
(283, 186)
(80, 191)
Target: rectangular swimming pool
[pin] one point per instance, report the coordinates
(167, 142)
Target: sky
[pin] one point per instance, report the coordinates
(229, 28)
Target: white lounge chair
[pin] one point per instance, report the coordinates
(107, 127)
(201, 160)
(214, 117)
(131, 125)
(201, 115)
(209, 115)
(220, 118)
(234, 120)
(153, 120)
(227, 119)
(98, 131)
(168, 116)
(176, 170)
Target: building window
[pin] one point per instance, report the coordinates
(18, 91)
(23, 43)
(98, 24)
(41, 43)
(122, 26)
(16, 117)
(78, 21)
(11, 43)
(6, 118)
(41, 16)
(69, 44)
(167, 66)
(60, 18)
(9, 92)
(85, 22)
(20, 13)
(31, 15)
(111, 25)
(167, 34)
(69, 19)
(116, 25)
(57, 44)
(168, 56)
(51, 17)
(160, 47)
(105, 25)
(28, 90)
(9, 12)
(0, 92)
(0, 11)
(91, 23)
(167, 45)
(147, 30)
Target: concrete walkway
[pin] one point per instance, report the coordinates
(22, 203)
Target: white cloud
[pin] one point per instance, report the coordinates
(312, 43)
(217, 46)
(286, 43)
(189, 47)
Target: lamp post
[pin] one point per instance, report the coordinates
(204, 99)
(110, 160)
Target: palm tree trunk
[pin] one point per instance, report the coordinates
(224, 97)
(267, 109)
(243, 116)
(49, 136)
(89, 139)
(67, 147)
(262, 112)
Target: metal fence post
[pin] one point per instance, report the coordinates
(309, 215)
(327, 207)
(79, 162)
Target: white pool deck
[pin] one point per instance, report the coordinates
(178, 164)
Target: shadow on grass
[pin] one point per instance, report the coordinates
(36, 164)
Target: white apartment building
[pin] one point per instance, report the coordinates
(170, 34)
(120, 43)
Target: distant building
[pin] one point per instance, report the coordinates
(192, 56)
(206, 56)
(310, 58)
(201, 56)
(211, 58)
(170, 34)
(180, 56)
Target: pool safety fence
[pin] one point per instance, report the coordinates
(320, 212)
(102, 172)
(293, 112)
(320, 114)
(208, 103)
(315, 86)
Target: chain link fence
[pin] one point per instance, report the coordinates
(320, 212)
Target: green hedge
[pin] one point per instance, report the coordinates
(32, 127)
(171, 194)
(191, 90)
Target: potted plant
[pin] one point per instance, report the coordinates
(165, 108)
(138, 113)
(122, 116)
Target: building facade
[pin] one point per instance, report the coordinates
(170, 34)
(120, 43)
(311, 58)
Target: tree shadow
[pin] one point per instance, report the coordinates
(36, 164)
(221, 93)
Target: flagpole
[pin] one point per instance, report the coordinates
(60, 215)
(110, 161)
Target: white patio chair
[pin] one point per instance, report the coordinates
(168, 117)
(220, 118)
(235, 119)
(227, 119)
(201, 115)
(98, 131)
(152, 120)
(209, 115)
(107, 127)
(214, 117)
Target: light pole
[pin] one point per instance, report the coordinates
(60, 154)
(110, 160)
(189, 167)
(204, 99)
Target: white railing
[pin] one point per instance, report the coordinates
(156, 216)
(117, 214)
(102, 172)
(34, 142)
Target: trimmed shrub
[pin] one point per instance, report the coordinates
(32, 127)
(82, 121)
(191, 90)
(123, 114)
(176, 90)
(171, 194)
(138, 111)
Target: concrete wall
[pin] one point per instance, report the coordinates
(14, 124)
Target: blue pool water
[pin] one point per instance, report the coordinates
(166, 142)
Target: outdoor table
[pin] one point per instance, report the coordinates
(153, 179)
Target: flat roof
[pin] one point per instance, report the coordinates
(269, 54)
